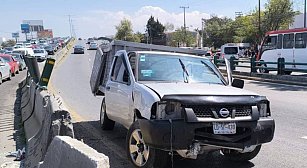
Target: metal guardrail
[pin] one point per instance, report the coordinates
(255, 65)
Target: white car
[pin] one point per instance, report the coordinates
(40, 54)
(5, 72)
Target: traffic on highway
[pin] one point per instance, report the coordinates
(151, 86)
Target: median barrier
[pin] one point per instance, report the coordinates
(65, 152)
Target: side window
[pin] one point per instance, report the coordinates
(288, 41)
(119, 72)
(299, 41)
(116, 67)
(132, 59)
(279, 41)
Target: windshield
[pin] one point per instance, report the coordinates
(231, 50)
(7, 59)
(163, 67)
(38, 51)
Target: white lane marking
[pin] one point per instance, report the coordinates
(304, 137)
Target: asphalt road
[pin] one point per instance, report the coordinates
(288, 106)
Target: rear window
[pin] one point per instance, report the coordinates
(7, 59)
(231, 50)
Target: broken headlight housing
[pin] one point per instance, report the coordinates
(264, 109)
(169, 110)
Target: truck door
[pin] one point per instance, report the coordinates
(119, 87)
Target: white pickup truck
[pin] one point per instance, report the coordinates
(172, 100)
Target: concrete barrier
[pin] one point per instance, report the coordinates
(44, 117)
(65, 152)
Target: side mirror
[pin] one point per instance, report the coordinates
(238, 83)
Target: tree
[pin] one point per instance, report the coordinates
(155, 31)
(177, 38)
(278, 14)
(125, 32)
(169, 26)
(218, 31)
(8, 43)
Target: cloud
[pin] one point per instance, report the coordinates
(101, 23)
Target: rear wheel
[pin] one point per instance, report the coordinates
(142, 155)
(13, 73)
(0, 78)
(10, 76)
(17, 71)
(262, 69)
(241, 157)
(105, 122)
(288, 72)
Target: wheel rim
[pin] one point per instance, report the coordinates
(139, 151)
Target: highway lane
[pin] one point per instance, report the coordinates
(288, 106)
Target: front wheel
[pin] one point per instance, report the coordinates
(241, 157)
(142, 155)
(105, 122)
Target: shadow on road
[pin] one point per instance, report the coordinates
(279, 87)
(112, 144)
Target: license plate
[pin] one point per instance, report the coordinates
(224, 128)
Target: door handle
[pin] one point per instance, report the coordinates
(108, 87)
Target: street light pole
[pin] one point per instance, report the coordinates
(184, 26)
(305, 14)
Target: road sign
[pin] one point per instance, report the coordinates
(25, 28)
(15, 35)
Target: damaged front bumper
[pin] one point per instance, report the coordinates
(157, 134)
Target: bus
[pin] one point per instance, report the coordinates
(288, 44)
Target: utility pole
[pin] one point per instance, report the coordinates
(203, 21)
(259, 25)
(70, 27)
(305, 14)
(184, 26)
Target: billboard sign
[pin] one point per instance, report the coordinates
(15, 35)
(47, 33)
(35, 25)
(25, 28)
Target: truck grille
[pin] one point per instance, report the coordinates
(213, 111)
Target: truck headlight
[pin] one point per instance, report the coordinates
(264, 109)
(169, 110)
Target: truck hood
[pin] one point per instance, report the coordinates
(196, 89)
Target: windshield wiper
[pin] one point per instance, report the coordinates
(186, 79)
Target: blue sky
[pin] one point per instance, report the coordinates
(99, 17)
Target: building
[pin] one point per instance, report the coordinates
(298, 21)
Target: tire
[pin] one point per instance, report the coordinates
(261, 70)
(241, 157)
(17, 72)
(141, 155)
(10, 76)
(105, 122)
(1, 80)
(13, 74)
(288, 72)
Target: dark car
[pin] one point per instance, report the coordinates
(49, 50)
(78, 49)
(19, 58)
(90, 40)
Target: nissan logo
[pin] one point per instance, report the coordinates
(224, 112)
